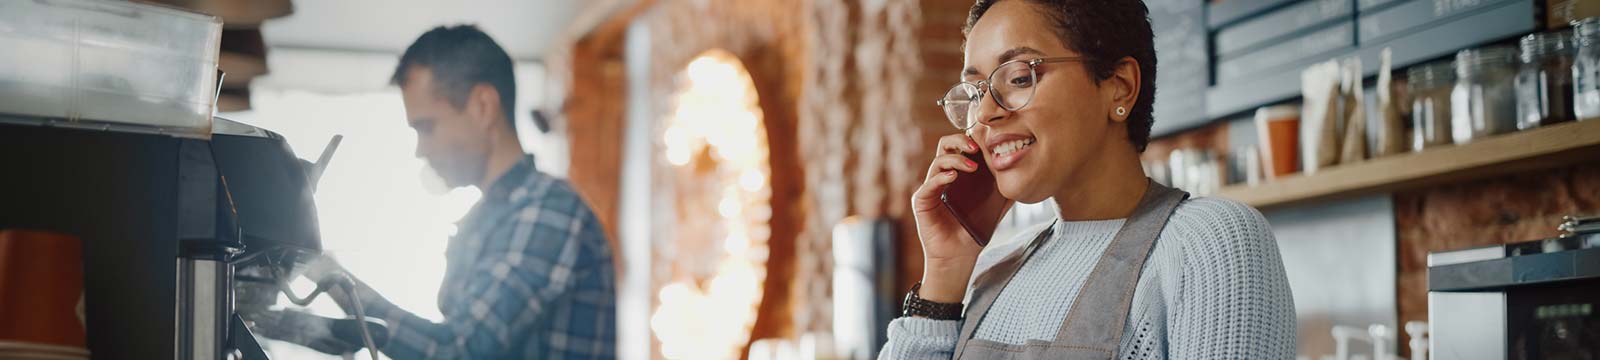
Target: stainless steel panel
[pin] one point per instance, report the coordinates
(1465, 255)
(1467, 325)
(1340, 261)
(863, 286)
(204, 307)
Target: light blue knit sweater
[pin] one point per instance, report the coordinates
(1213, 288)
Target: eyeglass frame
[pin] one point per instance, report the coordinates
(985, 87)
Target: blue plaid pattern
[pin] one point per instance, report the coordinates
(529, 275)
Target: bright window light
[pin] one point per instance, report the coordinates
(377, 217)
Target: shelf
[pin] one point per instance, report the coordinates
(1542, 148)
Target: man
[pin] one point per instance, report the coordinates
(529, 274)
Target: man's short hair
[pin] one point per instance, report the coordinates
(460, 58)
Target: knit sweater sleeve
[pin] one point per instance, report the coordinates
(922, 338)
(1235, 301)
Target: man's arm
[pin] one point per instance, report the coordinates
(510, 287)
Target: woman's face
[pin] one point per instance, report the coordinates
(1067, 122)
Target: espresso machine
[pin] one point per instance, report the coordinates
(180, 232)
(1530, 300)
(108, 139)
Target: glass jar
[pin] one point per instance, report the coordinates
(1430, 86)
(1544, 82)
(1484, 101)
(1586, 69)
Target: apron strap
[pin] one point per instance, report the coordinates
(986, 287)
(1100, 312)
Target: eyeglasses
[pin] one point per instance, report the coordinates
(1015, 90)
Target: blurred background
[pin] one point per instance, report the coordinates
(751, 160)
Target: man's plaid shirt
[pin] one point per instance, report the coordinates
(529, 275)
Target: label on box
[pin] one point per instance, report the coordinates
(1286, 22)
(1406, 17)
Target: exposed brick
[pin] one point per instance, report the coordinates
(1481, 213)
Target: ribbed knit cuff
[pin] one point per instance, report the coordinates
(921, 338)
(925, 327)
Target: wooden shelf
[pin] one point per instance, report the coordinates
(1542, 148)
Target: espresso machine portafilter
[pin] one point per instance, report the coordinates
(272, 193)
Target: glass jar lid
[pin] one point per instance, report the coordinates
(1536, 46)
(1588, 30)
(1431, 75)
(1470, 61)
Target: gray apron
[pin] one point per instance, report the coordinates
(1093, 326)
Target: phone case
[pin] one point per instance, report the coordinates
(967, 194)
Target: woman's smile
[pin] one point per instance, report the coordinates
(1007, 150)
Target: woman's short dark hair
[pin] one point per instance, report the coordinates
(460, 58)
(1104, 31)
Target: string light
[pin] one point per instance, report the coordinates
(716, 113)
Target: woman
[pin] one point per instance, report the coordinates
(1056, 98)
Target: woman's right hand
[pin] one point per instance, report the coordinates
(949, 252)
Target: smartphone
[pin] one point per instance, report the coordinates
(975, 201)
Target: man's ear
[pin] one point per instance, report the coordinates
(1124, 86)
(483, 105)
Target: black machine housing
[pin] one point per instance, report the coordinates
(143, 203)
